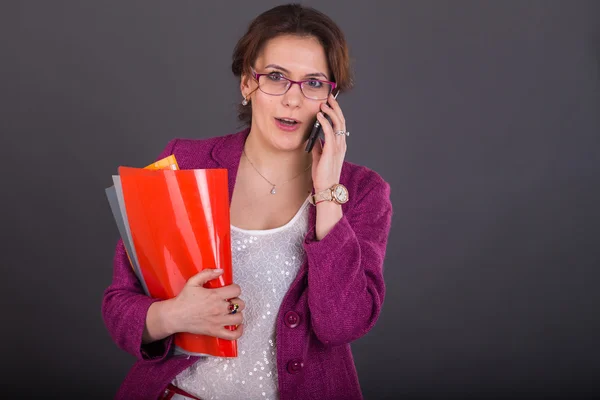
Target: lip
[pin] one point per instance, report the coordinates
(288, 128)
(290, 118)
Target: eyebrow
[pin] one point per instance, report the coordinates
(312, 75)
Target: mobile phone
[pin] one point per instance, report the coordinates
(317, 130)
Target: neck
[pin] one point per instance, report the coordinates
(277, 165)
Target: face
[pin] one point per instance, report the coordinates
(296, 58)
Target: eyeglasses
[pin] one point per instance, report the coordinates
(275, 84)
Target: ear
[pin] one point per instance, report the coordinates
(247, 85)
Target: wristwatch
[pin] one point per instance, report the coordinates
(338, 193)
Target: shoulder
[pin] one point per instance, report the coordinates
(186, 146)
(196, 152)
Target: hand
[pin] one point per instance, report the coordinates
(329, 158)
(205, 311)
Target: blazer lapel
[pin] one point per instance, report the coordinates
(227, 153)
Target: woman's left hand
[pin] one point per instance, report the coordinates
(329, 158)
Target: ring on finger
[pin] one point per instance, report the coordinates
(233, 307)
(339, 133)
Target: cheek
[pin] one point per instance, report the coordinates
(264, 106)
(312, 110)
(316, 108)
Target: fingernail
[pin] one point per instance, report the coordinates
(217, 270)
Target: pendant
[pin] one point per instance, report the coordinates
(273, 190)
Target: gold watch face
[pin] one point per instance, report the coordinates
(340, 194)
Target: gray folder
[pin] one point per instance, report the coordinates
(117, 205)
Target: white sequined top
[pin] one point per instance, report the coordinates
(265, 263)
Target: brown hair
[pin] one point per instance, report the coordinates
(292, 19)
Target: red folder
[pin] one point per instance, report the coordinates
(179, 221)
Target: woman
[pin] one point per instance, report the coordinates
(309, 232)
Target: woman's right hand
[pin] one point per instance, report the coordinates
(205, 311)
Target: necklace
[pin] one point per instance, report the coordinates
(273, 191)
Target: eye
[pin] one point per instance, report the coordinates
(315, 84)
(275, 76)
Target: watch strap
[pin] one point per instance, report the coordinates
(321, 196)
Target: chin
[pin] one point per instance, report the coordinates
(288, 141)
(286, 144)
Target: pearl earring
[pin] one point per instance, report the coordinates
(245, 102)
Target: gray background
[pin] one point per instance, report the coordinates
(483, 116)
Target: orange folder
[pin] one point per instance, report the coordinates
(168, 162)
(179, 222)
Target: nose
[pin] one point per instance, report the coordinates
(293, 97)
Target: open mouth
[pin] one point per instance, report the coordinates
(287, 121)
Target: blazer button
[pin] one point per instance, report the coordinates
(292, 319)
(295, 366)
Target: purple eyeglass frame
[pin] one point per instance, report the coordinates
(299, 83)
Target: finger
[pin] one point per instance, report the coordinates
(320, 146)
(229, 291)
(231, 319)
(338, 110)
(335, 118)
(239, 301)
(241, 305)
(225, 333)
(316, 152)
(335, 106)
(204, 276)
(328, 131)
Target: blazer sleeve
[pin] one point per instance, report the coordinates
(125, 305)
(346, 288)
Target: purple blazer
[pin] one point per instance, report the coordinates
(338, 293)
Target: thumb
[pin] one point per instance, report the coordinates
(204, 276)
(317, 150)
